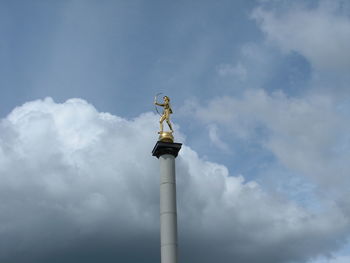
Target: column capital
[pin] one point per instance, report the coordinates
(161, 148)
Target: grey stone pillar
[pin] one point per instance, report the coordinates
(167, 152)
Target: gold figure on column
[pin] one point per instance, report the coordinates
(166, 112)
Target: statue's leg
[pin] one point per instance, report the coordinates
(166, 115)
(161, 122)
(171, 128)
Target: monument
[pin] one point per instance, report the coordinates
(166, 150)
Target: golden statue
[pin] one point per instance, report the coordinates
(165, 136)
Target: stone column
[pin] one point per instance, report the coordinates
(166, 152)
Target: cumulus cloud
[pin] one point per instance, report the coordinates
(321, 34)
(214, 136)
(307, 135)
(77, 184)
(238, 70)
(337, 259)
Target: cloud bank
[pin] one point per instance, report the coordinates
(321, 34)
(80, 185)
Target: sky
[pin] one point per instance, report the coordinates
(261, 101)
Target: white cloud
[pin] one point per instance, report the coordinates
(79, 184)
(308, 135)
(215, 138)
(254, 64)
(238, 70)
(337, 259)
(321, 34)
(340, 259)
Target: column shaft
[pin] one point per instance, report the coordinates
(168, 215)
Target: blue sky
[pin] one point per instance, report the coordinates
(261, 102)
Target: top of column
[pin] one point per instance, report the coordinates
(161, 148)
